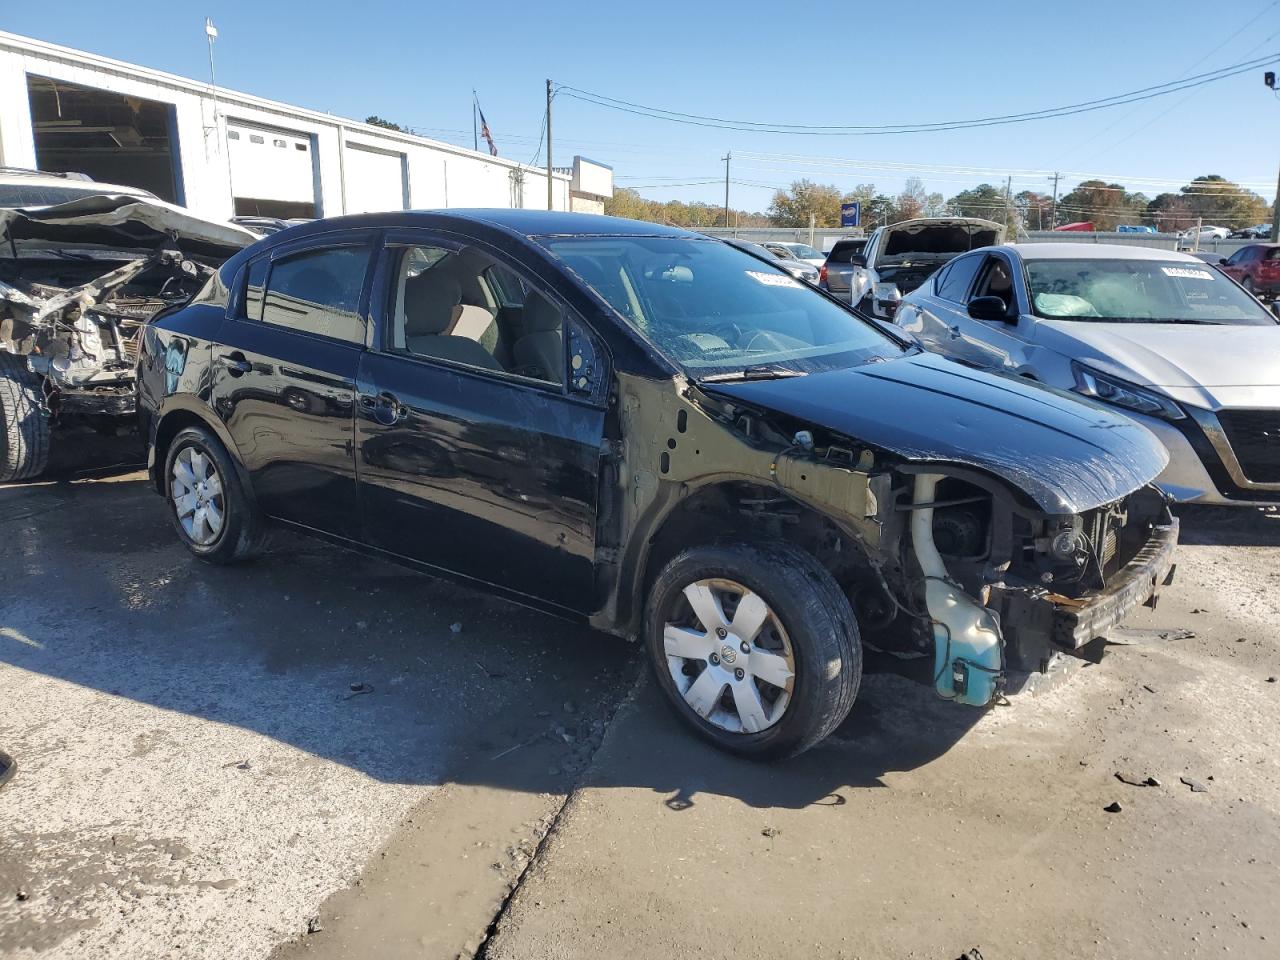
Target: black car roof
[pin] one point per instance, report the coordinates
(528, 223)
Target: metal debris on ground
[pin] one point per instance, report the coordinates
(1124, 776)
(357, 689)
(1195, 785)
(770, 832)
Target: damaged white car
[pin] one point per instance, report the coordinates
(78, 281)
(901, 256)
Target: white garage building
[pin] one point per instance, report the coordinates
(224, 153)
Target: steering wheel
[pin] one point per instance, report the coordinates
(728, 331)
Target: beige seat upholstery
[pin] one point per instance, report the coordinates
(432, 302)
(540, 352)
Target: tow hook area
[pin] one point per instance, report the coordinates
(968, 658)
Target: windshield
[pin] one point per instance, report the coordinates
(713, 309)
(48, 195)
(1139, 291)
(802, 251)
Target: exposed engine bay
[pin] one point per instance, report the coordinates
(77, 321)
(78, 283)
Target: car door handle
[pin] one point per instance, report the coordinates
(236, 364)
(955, 332)
(385, 407)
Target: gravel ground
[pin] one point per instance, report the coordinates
(199, 778)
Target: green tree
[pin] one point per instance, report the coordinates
(377, 121)
(1105, 205)
(793, 207)
(984, 201)
(1218, 201)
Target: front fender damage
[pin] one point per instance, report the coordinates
(950, 563)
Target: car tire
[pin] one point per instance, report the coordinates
(24, 424)
(808, 627)
(216, 521)
(1247, 283)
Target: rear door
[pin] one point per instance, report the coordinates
(284, 377)
(480, 422)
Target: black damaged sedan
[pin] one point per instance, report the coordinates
(660, 435)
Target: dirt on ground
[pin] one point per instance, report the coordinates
(322, 755)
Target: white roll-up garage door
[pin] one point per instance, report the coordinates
(375, 180)
(272, 172)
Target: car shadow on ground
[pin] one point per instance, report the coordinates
(1229, 526)
(406, 678)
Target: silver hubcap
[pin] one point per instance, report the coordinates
(729, 656)
(196, 490)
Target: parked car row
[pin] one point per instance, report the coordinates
(1191, 355)
(660, 434)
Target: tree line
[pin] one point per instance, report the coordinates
(1211, 199)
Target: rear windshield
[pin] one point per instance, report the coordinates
(712, 308)
(845, 249)
(1140, 291)
(801, 251)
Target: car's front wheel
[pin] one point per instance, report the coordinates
(755, 646)
(214, 517)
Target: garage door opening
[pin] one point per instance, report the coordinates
(109, 136)
(273, 171)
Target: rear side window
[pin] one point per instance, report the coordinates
(959, 277)
(318, 292)
(254, 288)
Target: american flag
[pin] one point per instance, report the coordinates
(484, 132)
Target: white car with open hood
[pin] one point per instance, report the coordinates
(901, 256)
(1179, 345)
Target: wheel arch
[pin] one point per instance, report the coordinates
(725, 509)
(177, 417)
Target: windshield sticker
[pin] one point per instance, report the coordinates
(1187, 273)
(773, 279)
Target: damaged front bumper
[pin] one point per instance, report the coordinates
(1038, 621)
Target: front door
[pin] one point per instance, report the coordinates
(474, 454)
(284, 381)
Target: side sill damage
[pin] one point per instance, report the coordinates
(968, 660)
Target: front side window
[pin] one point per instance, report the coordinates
(1139, 291)
(318, 292)
(713, 309)
(996, 281)
(464, 307)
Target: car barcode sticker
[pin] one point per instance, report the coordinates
(1187, 273)
(773, 279)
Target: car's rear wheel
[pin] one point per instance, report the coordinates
(214, 517)
(755, 646)
(1247, 283)
(24, 424)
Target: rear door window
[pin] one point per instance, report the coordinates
(318, 291)
(959, 277)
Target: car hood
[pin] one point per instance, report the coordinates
(120, 221)
(1065, 454)
(1173, 355)
(937, 236)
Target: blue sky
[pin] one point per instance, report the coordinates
(817, 63)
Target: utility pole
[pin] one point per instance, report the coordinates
(726, 158)
(1053, 215)
(1008, 206)
(550, 184)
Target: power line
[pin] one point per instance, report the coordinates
(750, 126)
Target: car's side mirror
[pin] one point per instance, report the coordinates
(857, 260)
(988, 308)
(1222, 261)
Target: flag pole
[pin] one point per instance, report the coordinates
(475, 136)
